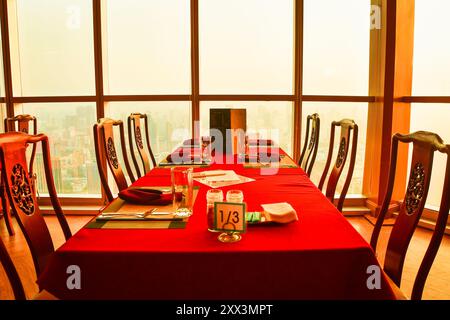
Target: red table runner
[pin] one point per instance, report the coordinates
(321, 256)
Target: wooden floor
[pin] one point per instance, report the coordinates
(437, 286)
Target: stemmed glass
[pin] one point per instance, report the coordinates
(206, 149)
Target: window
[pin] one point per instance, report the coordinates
(69, 128)
(431, 49)
(169, 123)
(147, 47)
(246, 47)
(52, 47)
(431, 78)
(336, 47)
(328, 113)
(2, 89)
(272, 120)
(2, 77)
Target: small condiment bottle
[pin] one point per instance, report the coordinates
(235, 196)
(212, 196)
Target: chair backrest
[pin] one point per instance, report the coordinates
(21, 123)
(425, 144)
(135, 133)
(11, 273)
(22, 198)
(311, 145)
(105, 150)
(347, 128)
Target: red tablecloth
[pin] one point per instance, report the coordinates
(319, 257)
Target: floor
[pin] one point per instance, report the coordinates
(437, 286)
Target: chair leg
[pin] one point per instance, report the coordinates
(8, 221)
(6, 213)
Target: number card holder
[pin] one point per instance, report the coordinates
(229, 217)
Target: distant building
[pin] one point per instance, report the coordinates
(93, 179)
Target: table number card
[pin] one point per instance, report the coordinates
(229, 217)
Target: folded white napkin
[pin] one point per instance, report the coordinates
(280, 212)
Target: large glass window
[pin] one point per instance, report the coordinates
(329, 112)
(246, 47)
(2, 77)
(271, 120)
(423, 117)
(336, 47)
(69, 128)
(147, 47)
(169, 122)
(52, 47)
(431, 73)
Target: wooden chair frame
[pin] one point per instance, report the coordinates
(11, 273)
(347, 128)
(105, 151)
(311, 146)
(22, 198)
(23, 125)
(134, 131)
(425, 144)
(20, 123)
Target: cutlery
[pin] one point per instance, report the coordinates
(206, 175)
(141, 215)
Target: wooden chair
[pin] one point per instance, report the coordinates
(311, 146)
(11, 273)
(22, 198)
(347, 128)
(14, 278)
(135, 133)
(425, 144)
(105, 151)
(20, 123)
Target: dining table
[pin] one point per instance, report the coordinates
(318, 257)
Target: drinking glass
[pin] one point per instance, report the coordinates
(241, 147)
(182, 190)
(206, 149)
(212, 196)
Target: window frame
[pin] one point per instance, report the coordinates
(101, 99)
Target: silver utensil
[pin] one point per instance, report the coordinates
(141, 215)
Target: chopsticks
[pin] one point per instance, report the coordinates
(203, 175)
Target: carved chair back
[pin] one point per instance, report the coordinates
(106, 151)
(311, 145)
(136, 140)
(22, 123)
(348, 127)
(425, 144)
(22, 198)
